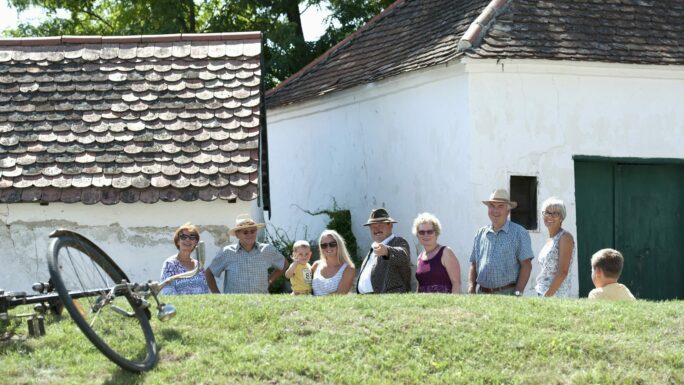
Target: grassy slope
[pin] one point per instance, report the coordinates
(393, 339)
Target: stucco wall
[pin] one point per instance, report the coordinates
(442, 139)
(401, 144)
(532, 117)
(138, 236)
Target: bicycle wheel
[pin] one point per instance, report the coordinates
(83, 276)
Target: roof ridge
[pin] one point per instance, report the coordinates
(99, 39)
(476, 31)
(334, 48)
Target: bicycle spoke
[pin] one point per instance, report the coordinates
(109, 320)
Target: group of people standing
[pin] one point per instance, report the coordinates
(500, 261)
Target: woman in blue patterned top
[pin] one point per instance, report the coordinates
(555, 258)
(186, 239)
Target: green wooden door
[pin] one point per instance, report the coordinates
(649, 209)
(637, 209)
(595, 217)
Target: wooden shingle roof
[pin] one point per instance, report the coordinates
(131, 118)
(415, 34)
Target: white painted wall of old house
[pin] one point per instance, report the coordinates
(138, 236)
(532, 117)
(482, 121)
(402, 144)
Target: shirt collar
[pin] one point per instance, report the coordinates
(388, 240)
(504, 228)
(239, 247)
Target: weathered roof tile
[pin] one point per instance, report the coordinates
(416, 34)
(124, 119)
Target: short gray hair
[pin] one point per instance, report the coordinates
(556, 204)
(427, 218)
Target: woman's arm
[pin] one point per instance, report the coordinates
(346, 281)
(168, 271)
(453, 268)
(565, 247)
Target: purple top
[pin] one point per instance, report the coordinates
(432, 276)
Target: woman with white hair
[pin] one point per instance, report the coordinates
(556, 256)
(438, 270)
(334, 272)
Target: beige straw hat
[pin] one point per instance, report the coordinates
(245, 221)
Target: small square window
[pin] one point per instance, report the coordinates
(524, 191)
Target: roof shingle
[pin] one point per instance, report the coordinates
(130, 118)
(415, 34)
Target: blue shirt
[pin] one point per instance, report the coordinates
(497, 255)
(192, 285)
(246, 271)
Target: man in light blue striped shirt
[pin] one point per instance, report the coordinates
(501, 261)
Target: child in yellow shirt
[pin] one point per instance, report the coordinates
(299, 271)
(606, 267)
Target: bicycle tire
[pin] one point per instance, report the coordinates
(78, 266)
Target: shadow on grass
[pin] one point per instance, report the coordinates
(170, 335)
(124, 377)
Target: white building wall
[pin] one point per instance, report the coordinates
(138, 236)
(402, 144)
(532, 117)
(442, 139)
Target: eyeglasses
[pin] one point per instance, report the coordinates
(552, 215)
(252, 231)
(325, 246)
(191, 237)
(426, 232)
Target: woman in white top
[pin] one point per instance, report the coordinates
(334, 272)
(556, 256)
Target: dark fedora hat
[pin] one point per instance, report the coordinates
(379, 216)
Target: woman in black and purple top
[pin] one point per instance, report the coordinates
(438, 269)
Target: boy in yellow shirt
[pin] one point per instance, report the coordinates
(299, 271)
(606, 267)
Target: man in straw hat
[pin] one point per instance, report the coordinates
(246, 262)
(387, 267)
(501, 260)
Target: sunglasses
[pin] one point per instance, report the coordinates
(426, 232)
(252, 231)
(191, 237)
(325, 246)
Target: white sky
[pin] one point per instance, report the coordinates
(312, 19)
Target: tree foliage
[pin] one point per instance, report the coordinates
(285, 48)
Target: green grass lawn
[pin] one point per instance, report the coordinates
(391, 339)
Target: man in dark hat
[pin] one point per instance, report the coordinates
(387, 267)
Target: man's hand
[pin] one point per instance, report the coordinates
(379, 249)
(211, 281)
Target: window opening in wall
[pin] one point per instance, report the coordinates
(524, 191)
